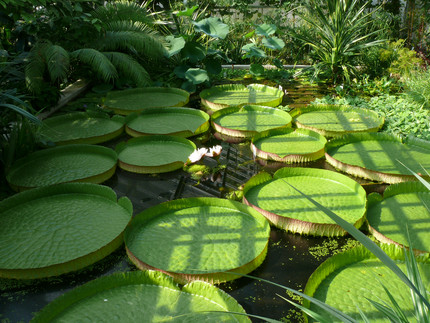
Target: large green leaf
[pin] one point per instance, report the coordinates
(288, 145)
(176, 44)
(56, 229)
(222, 96)
(248, 120)
(376, 156)
(194, 51)
(81, 127)
(187, 12)
(265, 30)
(402, 211)
(273, 42)
(346, 281)
(212, 26)
(196, 75)
(288, 209)
(335, 120)
(252, 50)
(149, 296)
(199, 238)
(139, 99)
(154, 154)
(84, 163)
(177, 121)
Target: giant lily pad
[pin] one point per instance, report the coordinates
(379, 157)
(60, 228)
(146, 296)
(346, 281)
(288, 145)
(182, 122)
(138, 99)
(71, 163)
(288, 209)
(222, 96)
(198, 239)
(81, 128)
(154, 154)
(403, 210)
(246, 121)
(336, 120)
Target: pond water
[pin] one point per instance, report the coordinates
(290, 260)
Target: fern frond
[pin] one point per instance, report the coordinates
(129, 67)
(98, 62)
(58, 62)
(143, 43)
(123, 10)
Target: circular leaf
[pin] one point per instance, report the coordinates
(57, 229)
(198, 238)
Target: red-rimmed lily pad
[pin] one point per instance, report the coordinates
(198, 239)
(402, 211)
(348, 280)
(336, 120)
(135, 100)
(154, 154)
(288, 145)
(70, 163)
(145, 296)
(61, 228)
(81, 128)
(222, 96)
(246, 121)
(174, 121)
(379, 157)
(287, 209)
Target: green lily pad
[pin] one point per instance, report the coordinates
(135, 100)
(379, 157)
(345, 281)
(175, 121)
(61, 228)
(222, 96)
(248, 120)
(70, 163)
(198, 239)
(336, 120)
(288, 145)
(154, 154)
(400, 212)
(287, 209)
(81, 128)
(147, 296)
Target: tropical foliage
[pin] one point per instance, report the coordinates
(340, 36)
(123, 42)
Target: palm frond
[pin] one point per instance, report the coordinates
(98, 62)
(143, 43)
(36, 67)
(129, 67)
(123, 10)
(58, 62)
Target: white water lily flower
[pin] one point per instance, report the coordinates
(214, 151)
(197, 154)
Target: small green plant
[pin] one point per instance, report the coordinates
(418, 87)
